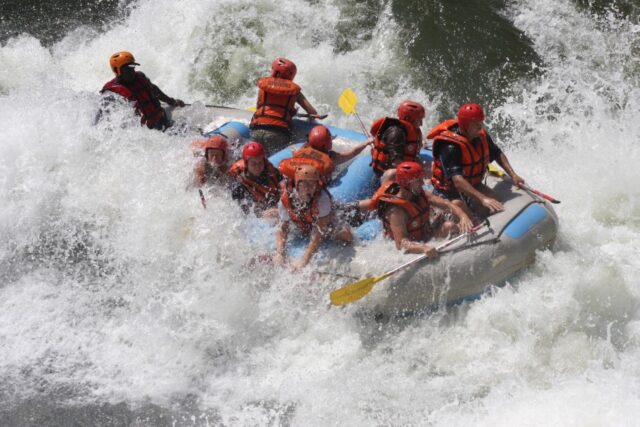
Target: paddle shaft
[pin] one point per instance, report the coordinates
(364, 128)
(310, 116)
(212, 106)
(439, 248)
(501, 174)
(540, 193)
(306, 116)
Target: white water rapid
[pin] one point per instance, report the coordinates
(116, 287)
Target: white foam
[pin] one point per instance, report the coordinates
(141, 295)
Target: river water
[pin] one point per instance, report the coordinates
(123, 303)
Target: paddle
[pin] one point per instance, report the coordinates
(497, 172)
(347, 102)
(304, 116)
(357, 290)
(311, 116)
(541, 194)
(213, 106)
(202, 199)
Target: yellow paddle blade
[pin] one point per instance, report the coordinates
(354, 291)
(493, 170)
(347, 101)
(251, 108)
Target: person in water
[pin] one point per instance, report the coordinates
(318, 152)
(255, 181)
(307, 205)
(212, 164)
(405, 209)
(275, 108)
(399, 139)
(462, 150)
(138, 89)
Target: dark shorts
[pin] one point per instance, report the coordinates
(272, 139)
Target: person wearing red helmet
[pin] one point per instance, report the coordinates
(307, 205)
(275, 108)
(212, 163)
(405, 209)
(399, 139)
(137, 88)
(462, 150)
(318, 152)
(256, 181)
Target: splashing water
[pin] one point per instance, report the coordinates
(118, 288)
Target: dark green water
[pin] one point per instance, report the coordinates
(49, 21)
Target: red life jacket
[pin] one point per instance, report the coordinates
(418, 210)
(264, 195)
(380, 153)
(474, 160)
(308, 156)
(306, 216)
(140, 92)
(276, 102)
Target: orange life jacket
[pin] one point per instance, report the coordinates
(276, 102)
(308, 156)
(140, 92)
(306, 216)
(417, 209)
(264, 195)
(474, 160)
(380, 153)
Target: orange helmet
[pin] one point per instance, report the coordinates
(411, 111)
(120, 59)
(407, 172)
(306, 173)
(320, 138)
(217, 142)
(283, 68)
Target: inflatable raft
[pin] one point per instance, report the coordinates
(465, 270)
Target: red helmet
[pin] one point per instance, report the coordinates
(252, 149)
(283, 68)
(407, 172)
(411, 111)
(470, 113)
(320, 138)
(216, 142)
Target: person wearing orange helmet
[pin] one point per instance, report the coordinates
(405, 210)
(275, 108)
(212, 165)
(256, 181)
(462, 150)
(399, 139)
(308, 206)
(137, 88)
(318, 152)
